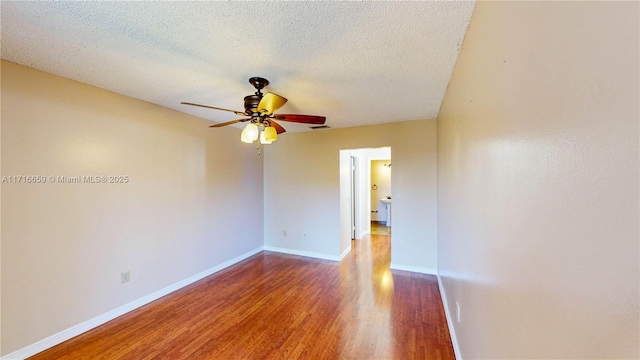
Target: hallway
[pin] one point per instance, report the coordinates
(274, 305)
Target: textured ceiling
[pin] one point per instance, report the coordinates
(357, 63)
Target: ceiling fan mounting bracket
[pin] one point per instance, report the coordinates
(259, 83)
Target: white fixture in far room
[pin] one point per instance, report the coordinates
(387, 203)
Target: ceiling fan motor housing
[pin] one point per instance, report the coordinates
(251, 103)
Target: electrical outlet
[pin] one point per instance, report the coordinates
(284, 233)
(125, 276)
(458, 311)
(304, 234)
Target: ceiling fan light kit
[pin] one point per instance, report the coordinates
(244, 139)
(270, 133)
(263, 139)
(260, 110)
(250, 133)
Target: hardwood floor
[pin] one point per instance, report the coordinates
(276, 306)
(378, 228)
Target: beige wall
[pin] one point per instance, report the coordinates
(193, 201)
(302, 190)
(538, 182)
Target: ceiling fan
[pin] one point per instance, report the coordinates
(259, 109)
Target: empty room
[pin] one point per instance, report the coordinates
(320, 180)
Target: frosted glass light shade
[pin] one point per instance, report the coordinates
(263, 139)
(252, 132)
(270, 133)
(244, 138)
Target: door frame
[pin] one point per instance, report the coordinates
(355, 196)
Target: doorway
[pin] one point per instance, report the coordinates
(381, 208)
(358, 201)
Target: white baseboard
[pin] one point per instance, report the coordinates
(301, 253)
(76, 330)
(414, 269)
(345, 252)
(452, 331)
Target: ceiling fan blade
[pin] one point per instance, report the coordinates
(214, 108)
(270, 102)
(230, 122)
(279, 129)
(305, 119)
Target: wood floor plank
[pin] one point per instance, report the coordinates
(277, 306)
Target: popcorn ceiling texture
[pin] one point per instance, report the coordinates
(358, 63)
